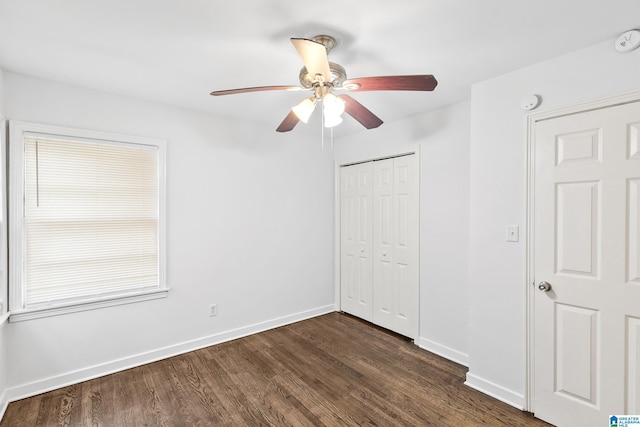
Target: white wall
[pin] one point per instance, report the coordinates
(498, 198)
(1, 91)
(3, 345)
(249, 227)
(443, 138)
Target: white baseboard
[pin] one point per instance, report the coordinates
(47, 384)
(4, 402)
(494, 390)
(444, 351)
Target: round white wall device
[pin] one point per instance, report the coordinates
(628, 41)
(530, 102)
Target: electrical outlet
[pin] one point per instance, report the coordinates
(213, 310)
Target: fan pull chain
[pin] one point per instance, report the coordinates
(322, 132)
(322, 129)
(331, 139)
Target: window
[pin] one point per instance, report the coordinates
(87, 220)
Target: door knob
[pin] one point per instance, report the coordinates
(544, 286)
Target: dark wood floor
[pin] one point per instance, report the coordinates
(331, 370)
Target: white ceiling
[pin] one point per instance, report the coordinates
(177, 51)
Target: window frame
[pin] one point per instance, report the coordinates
(17, 242)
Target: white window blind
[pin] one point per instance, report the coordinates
(91, 220)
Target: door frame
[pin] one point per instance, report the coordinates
(406, 151)
(530, 281)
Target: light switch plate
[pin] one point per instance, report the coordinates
(513, 233)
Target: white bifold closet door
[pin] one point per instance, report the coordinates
(379, 243)
(356, 241)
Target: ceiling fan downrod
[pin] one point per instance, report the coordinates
(328, 42)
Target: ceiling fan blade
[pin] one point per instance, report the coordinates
(417, 82)
(288, 123)
(314, 57)
(255, 89)
(360, 112)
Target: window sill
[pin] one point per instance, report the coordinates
(40, 312)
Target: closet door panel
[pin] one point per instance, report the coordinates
(356, 240)
(405, 245)
(395, 216)
(383, 230)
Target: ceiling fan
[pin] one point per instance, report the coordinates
(323, 78)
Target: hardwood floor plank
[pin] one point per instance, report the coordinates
(325, 371)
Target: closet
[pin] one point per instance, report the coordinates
(379, 238)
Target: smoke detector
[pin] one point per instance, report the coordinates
(628, 41)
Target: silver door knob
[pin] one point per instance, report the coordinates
(362, 250)
(544, 286)
(384, 254)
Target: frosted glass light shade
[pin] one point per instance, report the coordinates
(331, 121)
(333, 105)
(304, 109)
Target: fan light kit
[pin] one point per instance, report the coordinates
(323, 77)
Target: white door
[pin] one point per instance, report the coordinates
(356, 283)
(587, 247)
(395, 243)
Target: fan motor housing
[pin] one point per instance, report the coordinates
(338, 76)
